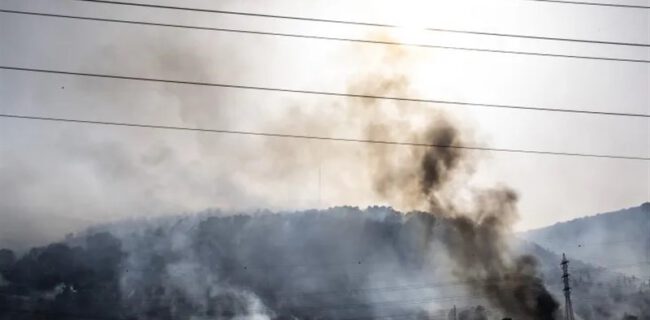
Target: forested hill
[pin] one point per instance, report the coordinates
(618, 240)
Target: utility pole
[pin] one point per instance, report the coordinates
(568, 306)
(455, 317)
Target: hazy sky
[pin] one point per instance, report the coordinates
(56, 177)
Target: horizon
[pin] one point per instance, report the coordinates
(253, 212)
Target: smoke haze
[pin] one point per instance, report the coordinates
(448, 229)
(428, 179)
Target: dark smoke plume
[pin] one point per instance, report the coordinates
(477, 239)
(432, 179)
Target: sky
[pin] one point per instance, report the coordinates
(59, 177)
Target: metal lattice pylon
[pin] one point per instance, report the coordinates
(568, 306)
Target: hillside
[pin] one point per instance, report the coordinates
(340, 263)
(617, 241)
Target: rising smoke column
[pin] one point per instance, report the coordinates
(431, 178)
(476, 239)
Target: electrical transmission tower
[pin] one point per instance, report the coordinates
(568, 306)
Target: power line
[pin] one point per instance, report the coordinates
(404, 301)
(386, 289)
(598, 268)
(415, 286)
(380, 289)
(315, 307)
(360, 305)
(330, 93)
(415, 315)
(322, 138)
(601, 4)
(363, 23)
(583, 244)
(398, 302)
(78, 316)
(608, 243)
(57, 314)
(622, 266)
(409, 287)
(293, 35)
